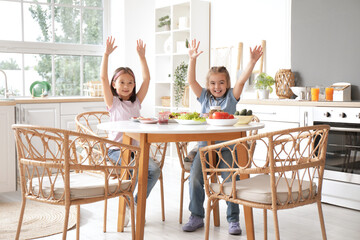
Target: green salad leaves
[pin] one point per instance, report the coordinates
(192, 116)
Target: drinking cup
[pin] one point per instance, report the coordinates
(315, 94)
(329, 93)
(163, 117)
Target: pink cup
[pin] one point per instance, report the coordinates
(163, 117)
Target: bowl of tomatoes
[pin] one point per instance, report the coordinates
(221, 118)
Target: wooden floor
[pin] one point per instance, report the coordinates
(300, 223)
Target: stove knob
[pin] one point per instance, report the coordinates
(327, 114)
(342, 115)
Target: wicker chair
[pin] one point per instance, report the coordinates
(290, 176)
(182, 150)
(86, 123)
(51, 170)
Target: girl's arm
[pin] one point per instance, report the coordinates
(191, 75)
(108, 96)
(254, 57)
(145, 71)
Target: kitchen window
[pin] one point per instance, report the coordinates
(58, 41)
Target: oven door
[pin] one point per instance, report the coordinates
(343, 152)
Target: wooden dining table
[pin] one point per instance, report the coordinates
(146, 134)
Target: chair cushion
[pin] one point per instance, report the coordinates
(258, 189)
(82, 185)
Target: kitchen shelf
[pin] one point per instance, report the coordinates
(189, 19)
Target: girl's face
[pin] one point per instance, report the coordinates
(217, 84)
(124, 86)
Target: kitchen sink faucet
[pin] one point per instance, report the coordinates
(6, 86)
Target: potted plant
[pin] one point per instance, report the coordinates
(164, 21)
(263, 83)
(179, 82)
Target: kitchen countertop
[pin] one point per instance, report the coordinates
(14, 101)
(293, 102)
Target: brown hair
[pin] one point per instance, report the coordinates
(119, 71)
(222, 70)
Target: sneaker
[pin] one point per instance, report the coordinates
(193, 224)
(234, 228)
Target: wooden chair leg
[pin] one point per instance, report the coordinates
(105, 215)
(321, 217)
(276, 224)
(132, 209)
(207, 219)
(66, 221)
(181, 196)
(162, 196)
(265, 224)
(21, 217)
(77, 222)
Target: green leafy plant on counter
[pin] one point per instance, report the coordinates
(164, 21)
(179, 82)
(264, 81)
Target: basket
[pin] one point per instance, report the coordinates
(93, 89)
(284, 79)
(165, 101)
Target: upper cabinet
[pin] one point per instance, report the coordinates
(176, 23)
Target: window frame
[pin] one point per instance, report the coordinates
(52, 48)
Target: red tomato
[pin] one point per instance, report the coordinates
(210, 116)
(231, 116)
(225, 115)
(217, 115)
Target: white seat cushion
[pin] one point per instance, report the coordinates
(258, 189)
(82, 185)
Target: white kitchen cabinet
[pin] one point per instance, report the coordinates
(70, 110)
(7, 150)
(41, 114)
(274, 117)
(189, 20)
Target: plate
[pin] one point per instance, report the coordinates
(149, 120)
(134, 119)
(189, 122)
(221, 122)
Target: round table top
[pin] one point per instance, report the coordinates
(174, 128)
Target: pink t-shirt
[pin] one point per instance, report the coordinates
(123, 111)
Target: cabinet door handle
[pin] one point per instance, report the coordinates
(23, 115)
(306, 120)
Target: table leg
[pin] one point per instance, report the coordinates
(216, 205)
(248, 213)
(122, 203)
(142, 186)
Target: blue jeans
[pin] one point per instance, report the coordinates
(197, 192)
(153, 171)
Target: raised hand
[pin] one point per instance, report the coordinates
(256, 53)
(110, 45)
(140, 47)
(194, 48)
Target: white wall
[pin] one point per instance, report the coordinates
(250, 21)
(132, 20)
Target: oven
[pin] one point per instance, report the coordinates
(342, 166)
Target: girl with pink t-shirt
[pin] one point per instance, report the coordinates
(123, 102)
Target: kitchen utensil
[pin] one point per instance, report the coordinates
(39, 88)
(300, 92)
